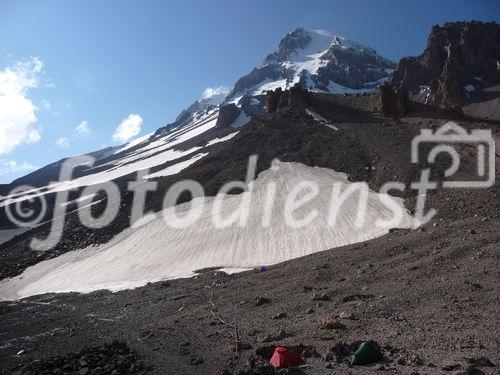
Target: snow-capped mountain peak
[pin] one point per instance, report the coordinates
(319, 61)
(302, 45)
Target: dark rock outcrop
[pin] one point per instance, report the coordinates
(298, 98)
(460, 57)
(273, 99)
(227, 114)
(295, 99)
(393, 101)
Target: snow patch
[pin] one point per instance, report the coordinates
(134, 143)
(176, 168)
(223, 139)
(269, 85)
(80, 199)
(335, 88)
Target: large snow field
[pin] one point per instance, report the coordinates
(156, 250)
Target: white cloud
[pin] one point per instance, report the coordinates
(17, 111)
(83, 129)
(11, 166)
(210, 92)
(128, 128)
(62, 142)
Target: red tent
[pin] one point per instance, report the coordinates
(282, 357)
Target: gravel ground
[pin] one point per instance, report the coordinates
(427, 296)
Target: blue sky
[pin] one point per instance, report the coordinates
(102, 62)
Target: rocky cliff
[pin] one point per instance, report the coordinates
(461, 58)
